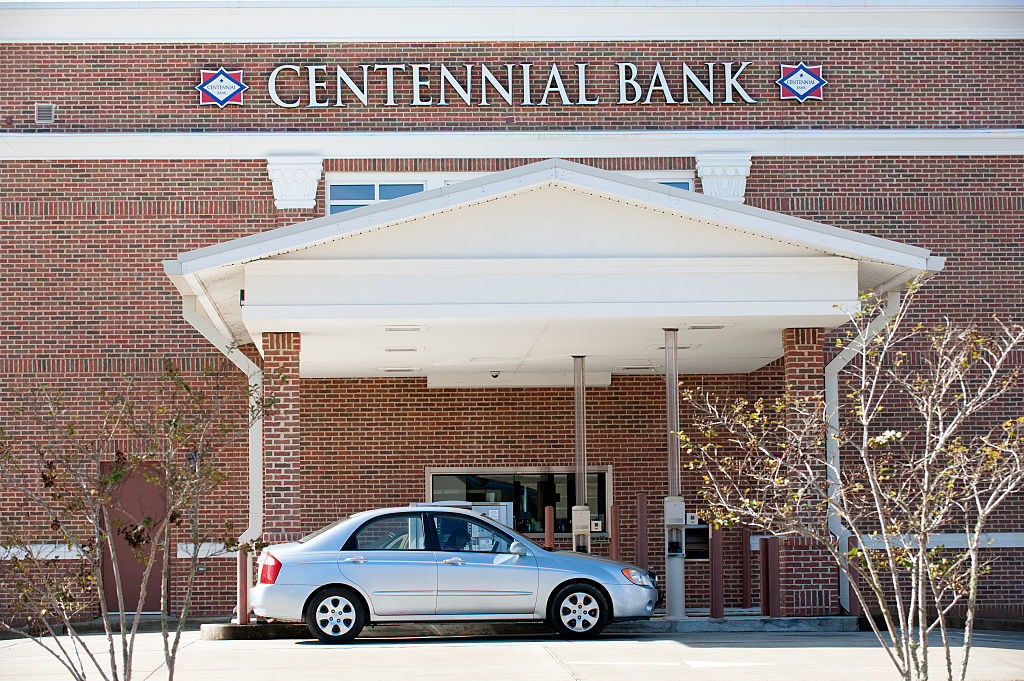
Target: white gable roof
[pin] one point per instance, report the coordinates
(882, 259)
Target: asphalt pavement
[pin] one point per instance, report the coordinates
(854, 656)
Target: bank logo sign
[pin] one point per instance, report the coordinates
(517, 84)
(221, 87)
(800, 82)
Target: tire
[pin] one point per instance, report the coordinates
(335, 615)
(579, 611)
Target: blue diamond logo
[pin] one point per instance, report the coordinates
(221, 87)
(800, 82)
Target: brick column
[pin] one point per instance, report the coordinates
(808, 577)
(282, 474)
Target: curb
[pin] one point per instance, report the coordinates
(660, 625)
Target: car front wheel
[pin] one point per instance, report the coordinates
(335, 615)
(579, 611)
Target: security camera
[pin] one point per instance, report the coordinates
(495, 374)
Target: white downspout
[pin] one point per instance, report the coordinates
(190, 311)
(835, 524)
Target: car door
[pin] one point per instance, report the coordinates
(476, 574)
(387, 557)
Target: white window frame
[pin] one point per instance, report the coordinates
(434, 180)
(430, 180)
(609, 485)
(665, 176)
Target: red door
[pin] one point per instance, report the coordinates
(140, 498)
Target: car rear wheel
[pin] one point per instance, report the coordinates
(579, 611)
(335, 615)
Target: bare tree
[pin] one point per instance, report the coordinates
(69, 464)
(928, 455)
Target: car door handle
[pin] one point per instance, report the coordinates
(454, 560)
(354, 559)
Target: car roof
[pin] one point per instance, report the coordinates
(419, 508)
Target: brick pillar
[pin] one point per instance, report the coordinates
(808, 576)
(282, 475)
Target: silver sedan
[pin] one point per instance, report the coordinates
(436, 563)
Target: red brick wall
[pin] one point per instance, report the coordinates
(807, 574)
(80, 381)
(282, 447)
(871, 84)
(85, 297)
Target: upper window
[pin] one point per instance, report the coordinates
(684, 184)
(348, 190)
(342, 197)
(401, 532)
(527, 491)
(458, 533)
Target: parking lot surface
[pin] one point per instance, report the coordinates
(999, 656)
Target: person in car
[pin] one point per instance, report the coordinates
(458, 540)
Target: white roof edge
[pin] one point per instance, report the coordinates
(472, 20)
(746, 218)
(25, 146)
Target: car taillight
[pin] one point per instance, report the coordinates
(269, 571)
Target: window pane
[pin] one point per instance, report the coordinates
(462, 534)
(393, 191)
(390, 533)
(677, 185)
(341, 209)
(529, 494)
(476, 488)
(352, 192)
(697, 542)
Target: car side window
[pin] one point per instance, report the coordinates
(401, 532)
(457, 533)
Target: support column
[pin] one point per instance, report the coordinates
(580, 423)
(675, 533)
(282, 479)
(808, 578)
(580, 510)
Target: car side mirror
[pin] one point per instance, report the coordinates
(518, 549)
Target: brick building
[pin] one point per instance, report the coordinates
(425, 210)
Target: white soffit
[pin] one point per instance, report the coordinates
(513, 144)
(475, 20)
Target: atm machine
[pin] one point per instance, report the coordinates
(675, 555)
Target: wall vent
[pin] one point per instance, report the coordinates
(400, 328)
(397, 370)
(46, 113)
(402, 349)
(705, 327)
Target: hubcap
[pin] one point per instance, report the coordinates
(579, 611)
(335, 615)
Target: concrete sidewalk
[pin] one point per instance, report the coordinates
(854, 656)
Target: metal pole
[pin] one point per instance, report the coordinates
(580, 398)
(549, 527)
(614, 540)
(745, 552)
(640, 552)
(717, 574)
(244, 569)
(672, 409)
(675, 532)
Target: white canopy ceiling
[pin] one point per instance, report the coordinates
(512, 273)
